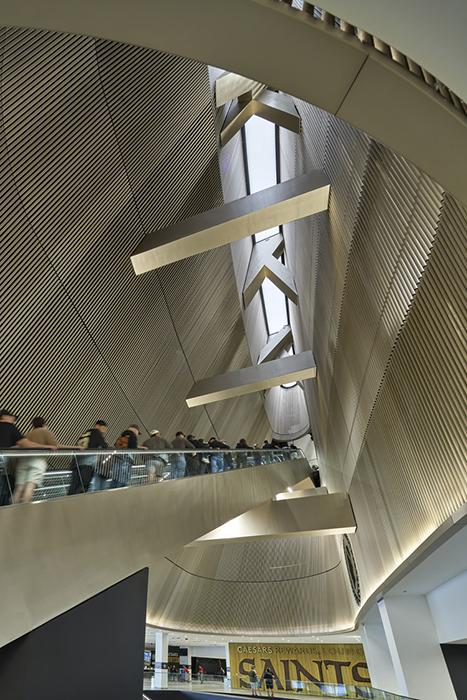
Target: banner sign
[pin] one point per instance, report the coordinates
(294, 665)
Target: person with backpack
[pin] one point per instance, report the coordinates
(83, 466)
(157, 463)
(122, 463)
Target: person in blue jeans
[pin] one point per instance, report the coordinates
(218, 459)
(179, 460)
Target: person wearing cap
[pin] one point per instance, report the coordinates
(83, 466)
(157, 463)
(10, 437)
(123, 463)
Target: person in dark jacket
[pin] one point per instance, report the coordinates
(242, 457)
(202, 457)
(122, 463)
(268, 678)
(83, 466)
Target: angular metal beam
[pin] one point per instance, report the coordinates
(276, 272)
(288, 201)
(329, 514)
(272, 106)
(278, 342)
(246, 381)
(265, 265)
(229, 86)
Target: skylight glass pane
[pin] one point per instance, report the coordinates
(275, 305)
(261, 150)
(261, 153)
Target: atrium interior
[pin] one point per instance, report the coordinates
(232, 406)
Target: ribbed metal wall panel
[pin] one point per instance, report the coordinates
(413, 459)
(101, 143)
(384, 313)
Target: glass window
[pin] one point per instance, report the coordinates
(260, 138)
(275, 307)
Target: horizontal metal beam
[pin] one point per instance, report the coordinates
(288, 201)
(276, 344)
(229, 86)
(272, 106)
(246, 381)
(329, 514)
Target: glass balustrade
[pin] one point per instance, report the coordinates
(68, 472)
(222, 684)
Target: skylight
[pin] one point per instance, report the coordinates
(275, 307)
(260, 138)
(262, 170)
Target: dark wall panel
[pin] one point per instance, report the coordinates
(93, 651)
(455, 656)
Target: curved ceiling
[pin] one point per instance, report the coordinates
(344, 77)
(293, 584)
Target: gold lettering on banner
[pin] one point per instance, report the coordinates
(295, 665)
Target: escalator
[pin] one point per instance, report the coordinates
(60, 550)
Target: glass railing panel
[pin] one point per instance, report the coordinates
(42, 475)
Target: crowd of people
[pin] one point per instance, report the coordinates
(185, 455)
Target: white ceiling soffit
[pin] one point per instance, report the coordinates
(288, 201)
(354, 81)
(432, 36)
(252, 379)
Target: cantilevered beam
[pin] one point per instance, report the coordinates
(278, 342)
(246, 381)
(265, 265)
(329, 514)
(229, 86)
(288, 201)
(272, 106)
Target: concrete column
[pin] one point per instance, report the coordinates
(418, 661)
(160, 679)
(378, 657)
